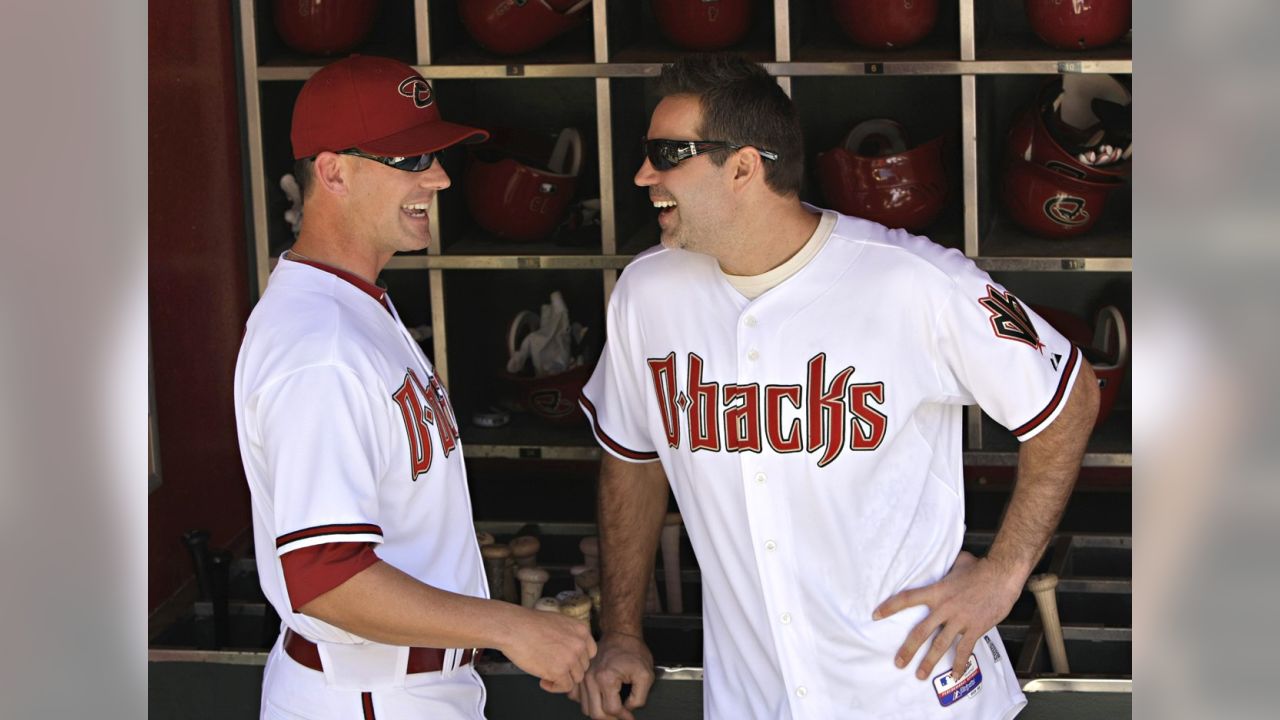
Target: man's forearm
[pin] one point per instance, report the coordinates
(385, 605)
(1047, 468)
(632, 504)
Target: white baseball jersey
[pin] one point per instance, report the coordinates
(348, 436)
(812, 438)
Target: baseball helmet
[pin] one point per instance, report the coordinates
(314, 27)
(1079, 24)
(520, 184)
(1050, 203)
(1069, 121)
(1105, 346)
(885, 24)
(703, 24)
(511, 27)
(553, 397)
(874, 175)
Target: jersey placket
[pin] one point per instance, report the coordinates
(765, 488)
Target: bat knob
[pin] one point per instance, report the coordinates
(1042, 583)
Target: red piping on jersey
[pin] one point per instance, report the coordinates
(320, 530)
(366, 701)
(1058, 397)
(365, 286)
(610, 442)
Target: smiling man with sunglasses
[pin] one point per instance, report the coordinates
(362, 517)
(797, 377)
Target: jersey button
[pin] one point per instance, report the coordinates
(750, 321)
(770, 545)
(753, 354)
(802, 691)
(786, 618)
(760, 478)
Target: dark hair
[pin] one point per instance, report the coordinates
(741, 103)
(302, 170)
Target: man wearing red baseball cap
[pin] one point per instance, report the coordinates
(362, 516)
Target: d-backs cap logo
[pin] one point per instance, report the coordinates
(416, 89)
(1009, 319)
(1066, 210)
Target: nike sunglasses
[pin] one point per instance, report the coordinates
(666, 154)
(408, 163)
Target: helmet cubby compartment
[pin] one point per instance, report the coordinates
(533, 188)
(651, 31)
(905, 171)
(1034, 198)
(874, 31)
(511, 32)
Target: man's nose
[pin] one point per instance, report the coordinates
(646, 175)
(435, 177)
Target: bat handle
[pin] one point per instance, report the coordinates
(671, 563)
(220, 562)
(197, 542)
(1044, 588)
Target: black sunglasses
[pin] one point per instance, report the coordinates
(409, 163)
(666, 154)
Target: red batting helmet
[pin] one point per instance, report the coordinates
(1052, 204)
(511, 27)
(884, 24)
(520, 185)
(703, 24)
(1105, 346)
(1060, 127)
(314, 27)
(553, 398)
(1079, 24)
(874, 176)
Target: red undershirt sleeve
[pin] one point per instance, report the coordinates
(312, 571)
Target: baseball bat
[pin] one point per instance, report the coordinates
(510, 592)
(197, 542)
(1044, 587)
(590, 547)
(576, 605)
(525, 550)
(495, 566)
(586, 579)
(532, 580)
(652, 604)
(220, 565)
(671, 562)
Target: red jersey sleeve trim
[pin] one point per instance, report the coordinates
(312, 571)
(1059, 396)
(320, 534)
(609, 443)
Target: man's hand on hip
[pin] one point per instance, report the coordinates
(972, 598)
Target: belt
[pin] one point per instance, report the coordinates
(421, 659)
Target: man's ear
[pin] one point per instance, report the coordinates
(330, 173)
(747, 165)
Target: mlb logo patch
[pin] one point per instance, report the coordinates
(949, 691)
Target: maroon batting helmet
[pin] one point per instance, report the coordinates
(874, 175)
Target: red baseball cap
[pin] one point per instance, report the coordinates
(374, 104)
